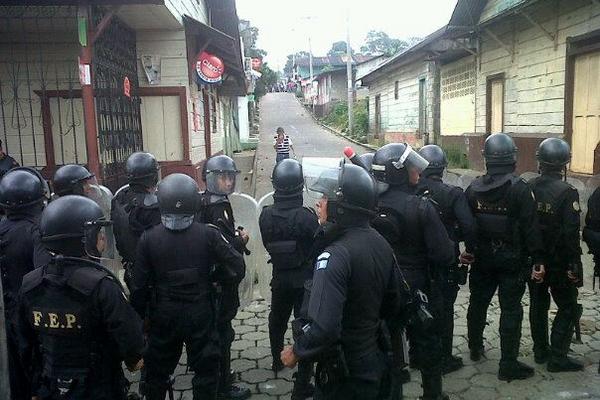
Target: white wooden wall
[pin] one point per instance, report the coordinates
(457, 108)
(401, 115)
(535, 75)
(194, 8)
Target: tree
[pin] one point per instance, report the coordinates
(338, 49)
(249, 36)
(289, 64)
(379, 42)
(268, 79)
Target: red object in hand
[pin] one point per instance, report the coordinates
(353, 157)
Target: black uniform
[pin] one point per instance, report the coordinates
(287, 230)
(456, 216)
(177, 265)
(220, 214)
(558, 211)
(413, 227)
(346, 314)
(20, 252)
(591, 232)
(133, 211)
(508, 232)
(76, 327)
(6, 164)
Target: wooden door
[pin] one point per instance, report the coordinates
(586, 112)
(377, 116)
(496, 107)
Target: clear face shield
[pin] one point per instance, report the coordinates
(221, 182)
(321, 176)
(96, 238)
(176, 222)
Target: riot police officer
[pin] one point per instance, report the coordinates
(219, 174)
(75, 322)
(171, 273)
(135, 206)
(22, 195)
(345, 314)
(413, 228)
(558, 211)
(288, 230)
(508, 232)
(460, 225)
(591, 234)
(6, 162)
(72, 179)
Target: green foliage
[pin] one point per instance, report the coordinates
(338, 119)
(456, 157)
(269, 78)
(289, 64)
(379, 42)
(339, 49)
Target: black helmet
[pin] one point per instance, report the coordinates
(287, 177)
(499, 149)
(436, 157)
(22, 187)
(391, 163)
(142, 169)
(70, 226)
(553, 154)
(69, 178)
(357, 191)
(220, 174)
(177, 200)
(367, 160)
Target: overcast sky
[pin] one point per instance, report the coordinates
(284, 25)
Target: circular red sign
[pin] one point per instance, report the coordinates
(209, 67)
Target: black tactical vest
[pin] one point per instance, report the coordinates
(399, 221)
(279, 225)
(63, 316)
(492, 208)
(442, 198)
(550, 195)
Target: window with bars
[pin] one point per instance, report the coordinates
(459, 81)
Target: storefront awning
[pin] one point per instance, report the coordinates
(223, 46)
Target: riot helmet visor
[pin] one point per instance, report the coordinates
(321, 176)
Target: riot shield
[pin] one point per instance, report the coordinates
(110, 258)
(4, 379)
(264, 270)
(245, 213)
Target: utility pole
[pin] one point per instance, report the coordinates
(349, 74)
(4, 382)
(310, 68)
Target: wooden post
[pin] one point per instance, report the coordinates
(4, 380)
(87, 97)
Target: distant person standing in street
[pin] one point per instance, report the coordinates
(283, 144)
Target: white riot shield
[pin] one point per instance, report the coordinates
(4, 380)
(245, 213)
(264, 269)
(110, 257)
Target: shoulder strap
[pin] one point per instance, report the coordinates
(32, 280)
(85, 279)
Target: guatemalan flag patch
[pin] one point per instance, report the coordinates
(322, 260)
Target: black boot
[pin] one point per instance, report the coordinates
(302, 391)
(235, 392)
(432, 388)
(476, 353)
(451, 364)
(564, 364)
(515, 370)
(541, 356)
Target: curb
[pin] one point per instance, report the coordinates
(335, 131)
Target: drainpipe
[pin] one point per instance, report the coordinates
(86, 53)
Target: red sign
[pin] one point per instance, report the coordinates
(257, 64)
(127, 87)
(209, 67)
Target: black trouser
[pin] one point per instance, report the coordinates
(565, 297)
(508, 276)
(90, 388)
(363, 382)
(425, 342)
(171, 325)
(228, 310)
(283, 301)
(19, 383)
(449, 295)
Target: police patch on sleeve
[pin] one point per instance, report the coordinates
(576, 206)
(322, 260)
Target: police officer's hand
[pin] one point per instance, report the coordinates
(573, 277)
(136, 367)
(538, 272)
(244, 236)
(288, 357)
(466, 258)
